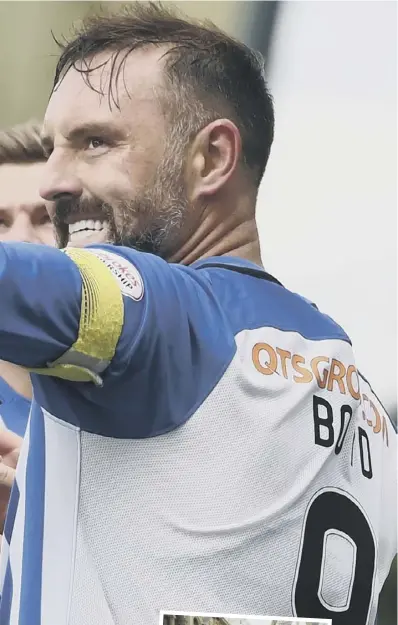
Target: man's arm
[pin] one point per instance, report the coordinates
(40, 292)
(153, 335)
(52, 310)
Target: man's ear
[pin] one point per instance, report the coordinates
(213, 158)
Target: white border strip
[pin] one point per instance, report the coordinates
(287, 619)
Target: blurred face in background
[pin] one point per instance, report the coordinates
(23, 214)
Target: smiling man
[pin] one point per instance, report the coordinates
(212, 424)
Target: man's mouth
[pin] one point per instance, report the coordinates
(88, 231)
(86, 224)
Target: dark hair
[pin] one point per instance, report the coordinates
(21, 144)
(210, 74)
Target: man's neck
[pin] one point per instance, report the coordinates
(17, 378)
(228, 229)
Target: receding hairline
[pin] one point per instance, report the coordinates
(207, 71)
(111, 65)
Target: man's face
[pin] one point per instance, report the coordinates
(23, 215)
(114, 173)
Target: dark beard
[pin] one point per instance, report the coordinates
(151, 222)
(136, 224)
(64, 209)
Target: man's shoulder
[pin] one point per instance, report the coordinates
(244, 293)
(253, 298)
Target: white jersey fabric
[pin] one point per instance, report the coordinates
(234, 461)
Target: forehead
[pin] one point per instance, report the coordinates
(135, 88)
(19, 184)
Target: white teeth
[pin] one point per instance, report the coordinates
(86, 224)
(88, 232)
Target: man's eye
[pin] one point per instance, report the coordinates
(94, 143)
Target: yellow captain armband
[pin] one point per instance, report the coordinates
(100, 327)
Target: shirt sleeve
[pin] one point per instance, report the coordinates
(51, 310)
(174, 347)
(151, 335)
(40, 297)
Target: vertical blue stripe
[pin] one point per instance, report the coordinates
(32, 559)
(6, 595)
(11, 512)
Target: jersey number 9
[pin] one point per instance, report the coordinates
(335, 572)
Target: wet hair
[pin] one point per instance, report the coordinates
(208, 74)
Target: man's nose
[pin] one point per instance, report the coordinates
(60, 183)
